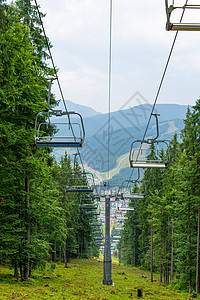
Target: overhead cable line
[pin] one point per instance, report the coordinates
(50, 54)
(56, 73)
(109, 85)
(162, 80)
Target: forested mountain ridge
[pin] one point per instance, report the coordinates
(85, 111)
(134, 117)
(126, 126)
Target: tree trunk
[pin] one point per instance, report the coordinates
(198, 236)
(16, 270)
(172, 252)
(64, 255)
(21, 270)
(26, 263)
(197, 263)
(134, 257)
(60, 254)
(78, 245)
(151, 248)
(55, 252)
(30, 270)
(190, 259)
(160, 265)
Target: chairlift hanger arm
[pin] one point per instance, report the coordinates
(49, 93)
(157, 128)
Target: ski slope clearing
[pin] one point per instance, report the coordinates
(82, 280)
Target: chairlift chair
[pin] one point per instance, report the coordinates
(122, 218)
(171, 7)
(57, 128)
(132, 195)
(92, 214)
(139, 156)
(126, 208)
(97, 235)
(63, 135)
(80, 182)
(88, 207)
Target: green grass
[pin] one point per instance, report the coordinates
(82, 280)
(122, 162)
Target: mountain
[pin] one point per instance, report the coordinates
(85, 111)
(135, 117)
(126, 126)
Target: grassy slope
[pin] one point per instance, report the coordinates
(82, 280)
(122, 162)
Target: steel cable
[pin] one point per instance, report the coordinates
(161, 83)
(56, 73)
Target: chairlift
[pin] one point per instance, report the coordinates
(139, 156)
(132, 195)
(57, 128)
(126, 208)
(92, 204)
(92, 214)
(180, 26)
(87, 207)
(122, 218)
(80, 182)
(97, 234)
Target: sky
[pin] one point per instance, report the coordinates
(79, 33)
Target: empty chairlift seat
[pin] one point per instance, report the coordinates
(128, 186)
(174, 9)
(60, 129)
(80, 182)
(149, 154)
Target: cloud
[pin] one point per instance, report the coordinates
(79, 32)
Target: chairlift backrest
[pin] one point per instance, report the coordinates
(147, 153)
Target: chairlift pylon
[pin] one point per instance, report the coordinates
(57, 128)
(139, 156)
(180, 26)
